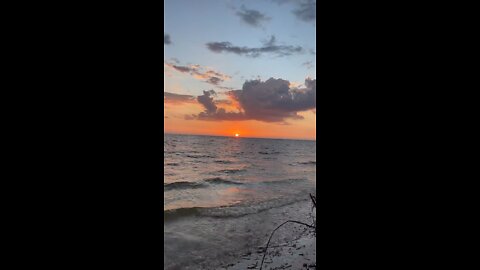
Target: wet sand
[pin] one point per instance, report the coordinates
(237, 243)
(292, 246)
(298, 254)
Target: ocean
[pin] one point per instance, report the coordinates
(224, 195)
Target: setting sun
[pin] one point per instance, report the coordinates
(236, 134)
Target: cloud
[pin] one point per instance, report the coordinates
(280, 2)
(225, 88)
(212, 112)
(214, 80)
(223, 102)
(207, 101)
(274, 100)
(306, 10)
(252, 17)
(271, 101)
(308, 64)
(201, 73)
(270, 42)
(295, 84)
(268, 47)
(166, 39)
(173, 98)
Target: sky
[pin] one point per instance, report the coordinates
(240, 67)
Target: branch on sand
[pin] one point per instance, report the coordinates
(313, 226)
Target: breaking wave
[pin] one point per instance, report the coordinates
(183, 185)
(228, 211)
(218, 180)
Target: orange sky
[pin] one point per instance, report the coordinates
(222, 66)
(175, 122)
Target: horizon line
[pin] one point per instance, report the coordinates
(271, 138)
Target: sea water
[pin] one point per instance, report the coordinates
(224, 195)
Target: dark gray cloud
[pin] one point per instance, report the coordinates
(166, 39)
(274, 100)
(220, 115)
(268, 47)
(183, 68)
(173, 98)
(207, 101)
(269, 101)
(306, 11)
(214, 80)
(201, 73)
(252, 17)
(212, 112)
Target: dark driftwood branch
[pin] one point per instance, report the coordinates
(270, 238)
(314, 200)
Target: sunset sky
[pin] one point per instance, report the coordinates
(245, 67)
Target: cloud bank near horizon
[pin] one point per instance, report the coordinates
(273, 100)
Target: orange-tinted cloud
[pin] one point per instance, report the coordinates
(201, 73)
(172, 98)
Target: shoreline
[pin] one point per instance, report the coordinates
(238, 243)
(292, 246)
(296, 254)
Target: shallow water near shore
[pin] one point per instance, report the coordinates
(224, 196)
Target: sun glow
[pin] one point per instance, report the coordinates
(236, 134)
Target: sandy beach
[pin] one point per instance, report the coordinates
(297, 254)
(238, 243)
(292, 246)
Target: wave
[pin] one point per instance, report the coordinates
(183, 185)
(232, 211)
(218, 180)
(311, 162)
(269, 153)
(173, 214)
(199, 156)
(285, 181)
(172, 164)
(223, 161)
(229, 171)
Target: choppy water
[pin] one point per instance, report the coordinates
(217, 189)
